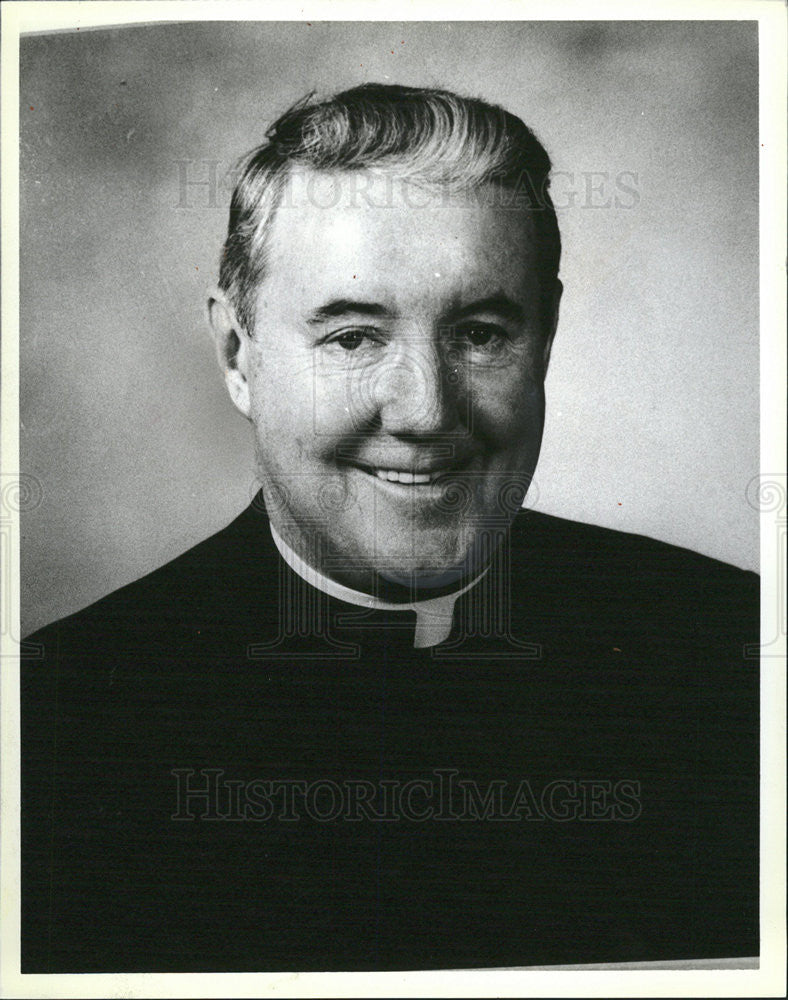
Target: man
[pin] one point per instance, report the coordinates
(387, 718)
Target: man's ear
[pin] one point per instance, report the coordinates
(232, 348)
(552, 324)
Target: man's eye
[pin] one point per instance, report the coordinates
(488, 335)
(350, 340)
(479, 335)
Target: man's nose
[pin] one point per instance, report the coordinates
(418, 392)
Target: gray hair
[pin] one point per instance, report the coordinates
(433, 137)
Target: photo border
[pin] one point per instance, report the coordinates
(691, 979)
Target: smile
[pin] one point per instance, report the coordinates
(409, 478)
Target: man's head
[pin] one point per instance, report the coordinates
(388, 297)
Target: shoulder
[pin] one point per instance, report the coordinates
(582, 547)
(541, 531)
(614, 572)
(201, 582)
(169, 635)
(664, 633)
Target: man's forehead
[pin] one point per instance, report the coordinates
(332, 239)
(386, 210)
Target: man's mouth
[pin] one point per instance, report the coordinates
(409, 478)
(415, 475)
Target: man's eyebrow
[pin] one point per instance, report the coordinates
(500, 303)
(345, 307)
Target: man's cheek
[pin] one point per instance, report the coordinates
(335, 416)
(521, 420)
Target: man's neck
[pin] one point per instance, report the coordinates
(387, 584)
(434, 611)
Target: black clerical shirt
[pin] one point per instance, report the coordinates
(225, 769)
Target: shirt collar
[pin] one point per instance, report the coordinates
(433, 616)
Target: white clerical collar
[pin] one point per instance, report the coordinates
(433, 616)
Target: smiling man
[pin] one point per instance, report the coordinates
(394, 352)
(388, 718)
(387, 310)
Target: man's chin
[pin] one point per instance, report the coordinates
(426, 579)
(434, 572)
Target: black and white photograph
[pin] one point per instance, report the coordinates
(392, 509)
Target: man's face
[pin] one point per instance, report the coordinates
(394, 376)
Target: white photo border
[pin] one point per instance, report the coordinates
(764, 977)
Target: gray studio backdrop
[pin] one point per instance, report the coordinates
(127, 133)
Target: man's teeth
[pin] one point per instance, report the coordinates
(411, 478)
